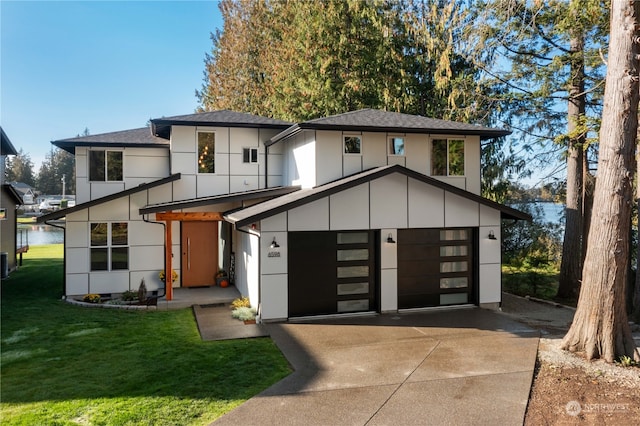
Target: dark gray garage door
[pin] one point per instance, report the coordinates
(331, 272)
(435, 267)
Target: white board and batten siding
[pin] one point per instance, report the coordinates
(145, 242)
(140, 165)
(313, 158)
(231, 173)
(387, 204)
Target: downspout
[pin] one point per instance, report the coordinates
(64, 256)
(164, 261)
(266, 166)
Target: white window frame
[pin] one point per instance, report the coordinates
(448, 161)
(250, 155)
(390, 145)
(344, 145)
(109, 246)
(106, 164)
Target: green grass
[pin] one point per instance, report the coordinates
(26, 220)
(539, 282)
(63, 364)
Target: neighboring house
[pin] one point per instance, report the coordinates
(358, 212)
(26, 191)
(9, 201)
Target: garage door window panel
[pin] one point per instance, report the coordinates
(454, 282)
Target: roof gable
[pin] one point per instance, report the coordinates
(63, 212)
(6, 147)
(373, 120)
(141, 137)
(161, 127)
(12, 193)
(304, 196)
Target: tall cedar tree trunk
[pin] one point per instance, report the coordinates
(571, 266)
(636, 291)
(588, 185)
(600, 328)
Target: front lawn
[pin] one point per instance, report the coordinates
(63, 364)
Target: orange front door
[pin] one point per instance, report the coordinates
(199, 253)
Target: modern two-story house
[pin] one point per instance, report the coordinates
(368, 211)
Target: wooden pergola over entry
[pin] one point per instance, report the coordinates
(169, 217)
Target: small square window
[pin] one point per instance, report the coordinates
(396, 146)
(249, 155)
(352, 145)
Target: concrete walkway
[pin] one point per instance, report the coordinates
(465, 366)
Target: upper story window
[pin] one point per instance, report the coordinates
(206, 152)
(109, 246)
(396, 145)
(447, 157)
(352, 145)
(249, 155)
(105, 166)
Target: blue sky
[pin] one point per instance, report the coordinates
(102, 65)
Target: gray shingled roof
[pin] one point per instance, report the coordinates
(129, 138)
(373, 120)
(224, 118)
(304, 196)
(6, 147)
(97, 201)
(219, 199)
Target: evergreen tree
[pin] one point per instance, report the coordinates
(57, 163)
(300, 60)
(600, 328)
(20, 168)
(546, 58)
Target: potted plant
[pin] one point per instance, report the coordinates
(174, 276)
(222, 279)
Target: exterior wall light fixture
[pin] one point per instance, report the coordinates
(390, 239)
(491, 235)
(274, 243)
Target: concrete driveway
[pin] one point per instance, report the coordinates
(464, 366)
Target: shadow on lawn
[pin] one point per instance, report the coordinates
(55, 351)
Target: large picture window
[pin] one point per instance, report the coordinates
(105, 166)
(447, 157)
(109, 246)
(206, 152)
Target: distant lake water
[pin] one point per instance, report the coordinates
(39, 234)
(552, 212)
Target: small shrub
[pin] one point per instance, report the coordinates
(244, 313)
(627, 361)
(130, 296)
(142, 291)
(92, 298)
(241, 302)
